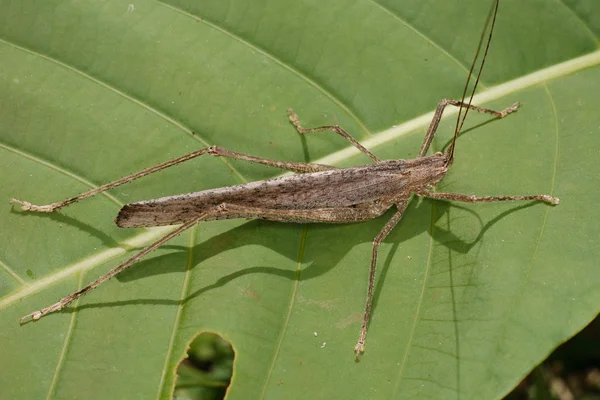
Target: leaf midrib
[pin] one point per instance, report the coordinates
(535, 78)
(544, 75)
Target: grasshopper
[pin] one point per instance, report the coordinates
(318, 194)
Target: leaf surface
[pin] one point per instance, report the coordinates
(469, 297)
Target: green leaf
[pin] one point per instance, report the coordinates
(469, 297)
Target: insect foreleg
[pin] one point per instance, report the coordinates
(401, 207)
(437, 116)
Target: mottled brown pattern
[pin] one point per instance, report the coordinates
(336, 188)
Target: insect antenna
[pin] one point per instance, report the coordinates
(460, 120)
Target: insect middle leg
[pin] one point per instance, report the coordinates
(401, 207)
(437, 116)
(335, 215)
(296, 122)
(338, 215)
(215, 151)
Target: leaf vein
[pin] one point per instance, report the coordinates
(60, 170)
(84, 265)
(278, 61)
(155, 111)
(289, 313)
(66, 343)
(177, 321)
(418, 309)
(427, 38)
(578, 17)
(12, 273)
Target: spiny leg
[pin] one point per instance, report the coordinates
(360, 346)
(487, 199)
(213, 151)
(225, 210)
(299, 167)
(437, 116)
(59, 305)
(294, 119)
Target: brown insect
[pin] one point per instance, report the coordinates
(320, 193)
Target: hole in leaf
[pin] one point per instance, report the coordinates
(206, 372)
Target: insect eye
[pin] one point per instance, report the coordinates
(438, 154)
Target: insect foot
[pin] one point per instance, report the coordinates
(27, 206)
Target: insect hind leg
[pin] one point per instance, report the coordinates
(215, 151)
(487, 199)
